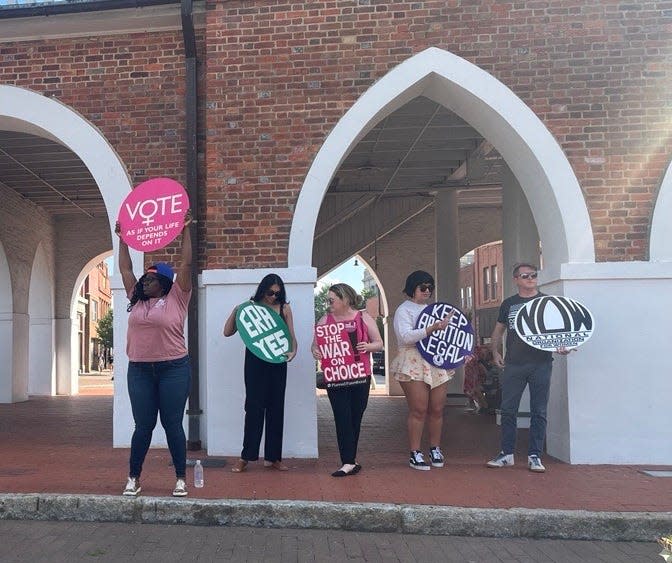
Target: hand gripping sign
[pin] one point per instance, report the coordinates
(263, 331)
(551, 322)
(152, 215)
(339, 364)
(448, 348)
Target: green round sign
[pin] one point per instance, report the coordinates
(263, 331)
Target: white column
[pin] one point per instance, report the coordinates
(14, 353)
(520, 244)
(448, 261)
(66, 343)
(222, 361)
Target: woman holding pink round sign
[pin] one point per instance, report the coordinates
(349, 399)
(424, 384)
(265, 383)
(159, 372)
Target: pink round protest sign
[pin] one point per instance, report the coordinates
(152, 215)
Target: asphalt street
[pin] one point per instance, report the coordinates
(54, 542)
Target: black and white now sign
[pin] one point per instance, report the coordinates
(551, 322)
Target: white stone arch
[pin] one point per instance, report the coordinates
(531, 152)
(660, 235)
(41, 360)
(29, 112)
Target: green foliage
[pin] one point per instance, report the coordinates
(105, 332)
(321, 303)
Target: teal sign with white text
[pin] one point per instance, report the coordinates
(263, 331)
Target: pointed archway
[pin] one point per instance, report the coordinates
(41, 361)
(534, 156)
(660, 235)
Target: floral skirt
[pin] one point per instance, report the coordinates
(408, 365)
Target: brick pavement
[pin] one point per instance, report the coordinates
(55, 542)
(63, 445)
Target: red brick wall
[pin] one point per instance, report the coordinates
(282, 74)
(278, 76)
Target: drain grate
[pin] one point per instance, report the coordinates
(657, 473)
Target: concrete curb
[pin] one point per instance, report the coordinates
(363, 517)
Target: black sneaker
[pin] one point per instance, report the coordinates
(417, 461)
(436, 456)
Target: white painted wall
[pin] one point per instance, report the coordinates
(223, 359)
(616, 388)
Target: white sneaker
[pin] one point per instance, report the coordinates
(436, 456)
(502, 460)
(180, 489)
(417, 461)
(132, 487)
(534, 464)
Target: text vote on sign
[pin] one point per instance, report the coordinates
(338, 363)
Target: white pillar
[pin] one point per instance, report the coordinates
(14, 365)
(448, 261)
(520, 244)
(222, 361)
(67, 352)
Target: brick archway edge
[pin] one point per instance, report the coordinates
(532, 153)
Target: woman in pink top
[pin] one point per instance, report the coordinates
(159, 373)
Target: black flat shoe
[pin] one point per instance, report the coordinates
(340, 473)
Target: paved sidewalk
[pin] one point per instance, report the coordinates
(64, 445)
(55, 542)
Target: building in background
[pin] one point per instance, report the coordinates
(481, 288)
(94, 300)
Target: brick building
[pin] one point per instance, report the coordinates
(94, 301)
(406, 132)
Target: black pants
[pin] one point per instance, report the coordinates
(264, 401)
(348, 404)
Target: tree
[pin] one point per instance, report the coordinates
(321, 302)
(104, 329)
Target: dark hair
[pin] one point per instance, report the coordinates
(415, 279)
(520, 265)
(139, 292)
(344, 291)
(265, 283)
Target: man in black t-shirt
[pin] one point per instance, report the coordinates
(524, 366)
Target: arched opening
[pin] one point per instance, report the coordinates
(6, 329)
(531, 152)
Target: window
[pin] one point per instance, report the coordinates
(493, 278)
(463, 303)
(486, 283)
(94, 310)
(470, 298)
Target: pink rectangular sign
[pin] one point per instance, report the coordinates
(338, 356)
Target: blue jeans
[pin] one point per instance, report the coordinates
(159, 388)
(514, 381)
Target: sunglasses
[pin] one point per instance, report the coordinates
(530, 276)
(271, 293)
(426, 287)
(331, 300)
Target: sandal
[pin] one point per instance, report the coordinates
(241, 465)
(276, 465)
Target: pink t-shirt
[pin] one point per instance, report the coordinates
(156, 327)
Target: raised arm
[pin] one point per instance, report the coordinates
(183, 278)
(125, 264)
(230, 324)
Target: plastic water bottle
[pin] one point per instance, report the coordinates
(198, 475)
